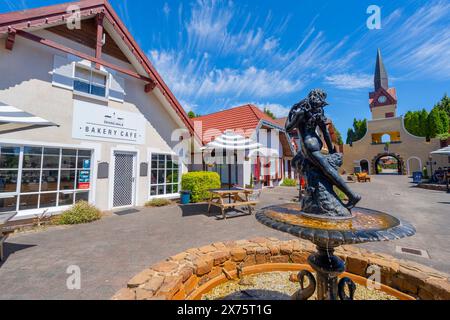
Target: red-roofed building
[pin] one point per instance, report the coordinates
(249, 123)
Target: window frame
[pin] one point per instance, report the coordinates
(176, 160)
(91, 83)
(74, 191)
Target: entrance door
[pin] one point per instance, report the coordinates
(124, 179)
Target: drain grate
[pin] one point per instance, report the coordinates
(413, 252)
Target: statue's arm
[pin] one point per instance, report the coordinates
(327, 137)
(295, 116)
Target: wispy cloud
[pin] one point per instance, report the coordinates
(226, 53)
(350, 81)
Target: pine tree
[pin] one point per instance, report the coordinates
(423, 127)
(435, 125)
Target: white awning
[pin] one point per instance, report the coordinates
(231, 141)
(14, 119)
(444, 151)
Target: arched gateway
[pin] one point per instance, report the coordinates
(391, 162)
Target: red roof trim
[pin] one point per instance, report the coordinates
(46, 16)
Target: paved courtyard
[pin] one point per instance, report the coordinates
(109, 252)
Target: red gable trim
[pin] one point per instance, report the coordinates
(56, 14)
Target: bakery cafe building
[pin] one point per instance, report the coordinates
(83, 114)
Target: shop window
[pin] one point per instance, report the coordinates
(47, 178)
(90, 81)
(164, 177)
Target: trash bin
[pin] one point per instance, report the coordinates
(185, 197)
(417, 177)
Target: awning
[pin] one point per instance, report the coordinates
(444, 151)
(232, 141)
(15, 119)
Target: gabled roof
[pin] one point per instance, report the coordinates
(390, 93)
(45, 17)
(244, 118)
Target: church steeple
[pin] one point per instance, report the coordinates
(381, 76)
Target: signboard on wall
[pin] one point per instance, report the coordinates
(101, 123)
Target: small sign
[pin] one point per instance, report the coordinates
(417, 177)
(101, 123)
(84, 180)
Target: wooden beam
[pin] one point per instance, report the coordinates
(57, 46)
(9, 43)
(150, 86)
(98, 48)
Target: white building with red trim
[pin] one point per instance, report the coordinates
(77, 66)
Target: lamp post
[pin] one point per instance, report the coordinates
(430, 163)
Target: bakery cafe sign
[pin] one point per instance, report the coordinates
(101, 123)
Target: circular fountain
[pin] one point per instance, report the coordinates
(323, 218)
(327, 234)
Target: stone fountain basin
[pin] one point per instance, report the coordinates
(187, 275)
(287, 267)
(365, 225)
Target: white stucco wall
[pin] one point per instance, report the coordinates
(26, 83)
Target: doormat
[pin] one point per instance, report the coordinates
(126, 212)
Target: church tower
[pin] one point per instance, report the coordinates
(383, 101)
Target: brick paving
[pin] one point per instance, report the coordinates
(111, 251)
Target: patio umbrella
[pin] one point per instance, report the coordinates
(443, 152)
(14, 119)
(230, 140)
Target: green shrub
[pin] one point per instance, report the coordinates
(158, 203)
(199, 184)
(289, 183)
(81, 212)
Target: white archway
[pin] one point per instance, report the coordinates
(408, 164)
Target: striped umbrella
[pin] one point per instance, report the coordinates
(15, 119)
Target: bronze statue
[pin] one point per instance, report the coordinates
(320, 170)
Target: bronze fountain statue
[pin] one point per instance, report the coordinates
(322, 217)
(320, 170)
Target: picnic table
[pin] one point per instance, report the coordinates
(4, 218)
(237, 197)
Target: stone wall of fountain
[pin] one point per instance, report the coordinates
(189, 273)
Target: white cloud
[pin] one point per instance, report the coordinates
(349, 81)
(270, 44)
(249, 82)
(166, 9)
(278, 110)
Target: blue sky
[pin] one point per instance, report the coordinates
(218, 54)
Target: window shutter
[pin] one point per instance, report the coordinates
(62, 72)
(116, 88)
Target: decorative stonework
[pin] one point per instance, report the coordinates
(180, 275)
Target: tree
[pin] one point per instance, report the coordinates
(422, 126)
(338, 136)
(435, 123)
(269, 113)
(350, 136)
(444, 105)
(191, 114)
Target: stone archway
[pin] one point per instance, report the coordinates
(399, 158)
